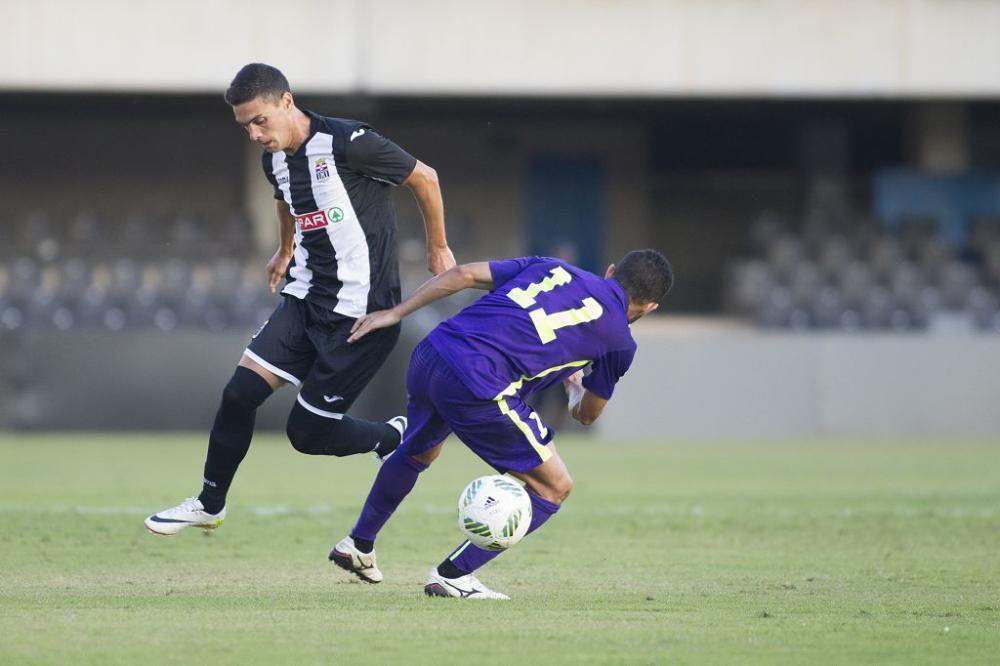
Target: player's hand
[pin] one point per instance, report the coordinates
(276, 268)
(365, 324)
(439, 260)
(574, 391)
(574, 381)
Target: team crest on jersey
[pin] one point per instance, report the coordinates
(322, 170)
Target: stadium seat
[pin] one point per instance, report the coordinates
(851, 276)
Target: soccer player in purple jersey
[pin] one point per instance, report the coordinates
(544, 321)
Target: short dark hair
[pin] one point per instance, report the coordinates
(645, 275)
(256, 80)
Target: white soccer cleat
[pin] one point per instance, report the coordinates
(466, 587)
(189, 513)
(346, 556)
(398, 424)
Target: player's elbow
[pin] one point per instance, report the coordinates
(466, 275)
(589, 408)
(587, 414)
(431, 176)
(580, 417)
(425, 175)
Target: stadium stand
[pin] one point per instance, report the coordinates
(142, 269)
(862, 276)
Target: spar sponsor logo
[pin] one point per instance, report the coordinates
(319, 219)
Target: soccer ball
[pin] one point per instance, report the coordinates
(494, 512)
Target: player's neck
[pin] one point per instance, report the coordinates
(301, 125)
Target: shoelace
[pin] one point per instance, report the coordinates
(190, 504)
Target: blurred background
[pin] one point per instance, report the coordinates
(824, 176)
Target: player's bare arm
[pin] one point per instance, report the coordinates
(584, 406)
(278, 264)
(426, 188)
(467, 276)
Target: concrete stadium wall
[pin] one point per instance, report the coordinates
(699, 383)
(720, 383)
(147, 381)
(552, 47)
(123, 159)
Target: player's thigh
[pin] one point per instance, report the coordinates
(273, 380)
(425, 432)
(426, 428)
(342, 369)
(506, 433)
(281, 346)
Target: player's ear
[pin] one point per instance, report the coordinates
(287, 101)
(611, 271)
(649, 307)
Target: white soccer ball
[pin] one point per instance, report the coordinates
(494, 512)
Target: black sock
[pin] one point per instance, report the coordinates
(364, 545)
(449, 570)
(229, 440)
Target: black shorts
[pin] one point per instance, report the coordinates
(307, 346)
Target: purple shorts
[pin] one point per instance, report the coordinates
(506, 433)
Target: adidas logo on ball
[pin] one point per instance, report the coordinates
(494, 512)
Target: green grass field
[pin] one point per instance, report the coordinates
(753, 553)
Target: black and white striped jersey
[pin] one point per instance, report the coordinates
(337, 187)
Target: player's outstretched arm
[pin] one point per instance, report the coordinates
(584, 406)
(467, 276)
(423, 182)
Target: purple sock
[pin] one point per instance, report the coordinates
(467, 558)
(394, 482)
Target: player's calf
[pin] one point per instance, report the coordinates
(317, 435)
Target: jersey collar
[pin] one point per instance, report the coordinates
(314, 122)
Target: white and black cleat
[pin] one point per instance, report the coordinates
(464, 587)
(189, 513)
(346, 556)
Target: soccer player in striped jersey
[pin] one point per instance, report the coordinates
(544, 321)
(338, 254)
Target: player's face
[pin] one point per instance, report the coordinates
(267, 120)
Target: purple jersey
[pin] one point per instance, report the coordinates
(543, 321)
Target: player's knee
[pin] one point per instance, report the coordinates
(316, 435)
(245, 390)
(428, 457)
(562, 488)
(554, 489)
(302, 439)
